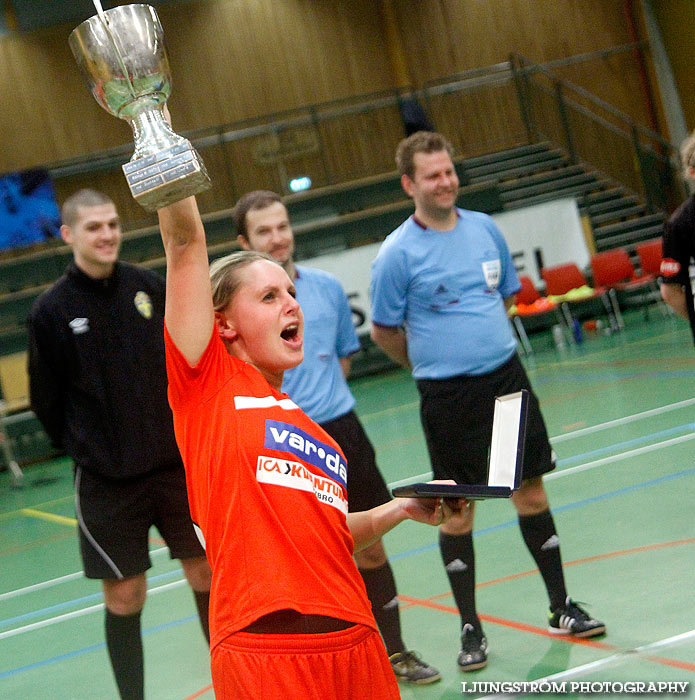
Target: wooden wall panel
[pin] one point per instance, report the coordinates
(444, 37)
(361, 144)
(480, 120)
(237, 59)
(675, 19)
(46, 111)
(230, 59)
(112, 183)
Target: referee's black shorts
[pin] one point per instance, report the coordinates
(457, 414)
(365, 486)
(115, 517)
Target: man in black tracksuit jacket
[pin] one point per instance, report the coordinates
(98, 384)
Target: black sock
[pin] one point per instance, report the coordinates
(459, 561)
(542, 541)
(381, 591)
(124, 643)
(202, 601)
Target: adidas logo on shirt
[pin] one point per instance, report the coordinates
(553, 542)
(393, 603)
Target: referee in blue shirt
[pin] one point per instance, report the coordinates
(441, 286)
(318, 385)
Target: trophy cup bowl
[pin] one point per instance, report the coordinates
(122, 57)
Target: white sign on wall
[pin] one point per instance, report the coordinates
(555, 228)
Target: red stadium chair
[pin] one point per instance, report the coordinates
(650, 255)
(534, 312)
(561, 279)
(614, 270)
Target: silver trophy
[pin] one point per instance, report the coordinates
(122, 57)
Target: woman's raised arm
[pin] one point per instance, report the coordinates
(189, 314)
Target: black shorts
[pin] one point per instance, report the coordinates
(115, 517)
(457, 414)
(365, 486)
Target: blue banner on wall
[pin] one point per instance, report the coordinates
(28, 209)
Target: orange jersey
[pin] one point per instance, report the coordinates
(267, 487)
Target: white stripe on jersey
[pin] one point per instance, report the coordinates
(241, 402)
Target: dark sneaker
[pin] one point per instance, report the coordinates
(571, 619)
(473, 654)
(409, 667)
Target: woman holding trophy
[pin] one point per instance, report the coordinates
(289, 616)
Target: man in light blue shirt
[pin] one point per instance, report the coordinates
(318, 385)
(441, 284)
(456, 281)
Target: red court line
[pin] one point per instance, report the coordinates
(648, 361)
(584, 560)
(672, 662)
(596, 557)
(523, 627)
(603, 385)
(200, 692)
(16, 549)
(430, 603)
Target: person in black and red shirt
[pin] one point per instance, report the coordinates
(679, 246)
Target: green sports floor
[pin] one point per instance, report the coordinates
(621, 413)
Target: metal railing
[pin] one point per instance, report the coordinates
(595, 132)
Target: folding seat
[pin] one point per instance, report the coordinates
(576, 298)
(650, 255)
(613, 270)
(533, 312)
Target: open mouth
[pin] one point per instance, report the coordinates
(291, 332)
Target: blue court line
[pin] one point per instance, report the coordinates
(92, 597)
(88, 650)
(592, 376)
(644, 439)
(559, 509)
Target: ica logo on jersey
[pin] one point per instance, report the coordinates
(290, 438)
(295, 475)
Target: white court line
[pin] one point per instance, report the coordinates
(426, 476)
(573, 470)
(78, 613)
(621, 421)
(575, 433)
(39, 586)
(607, 661)
(618, 457)
(56, 581)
